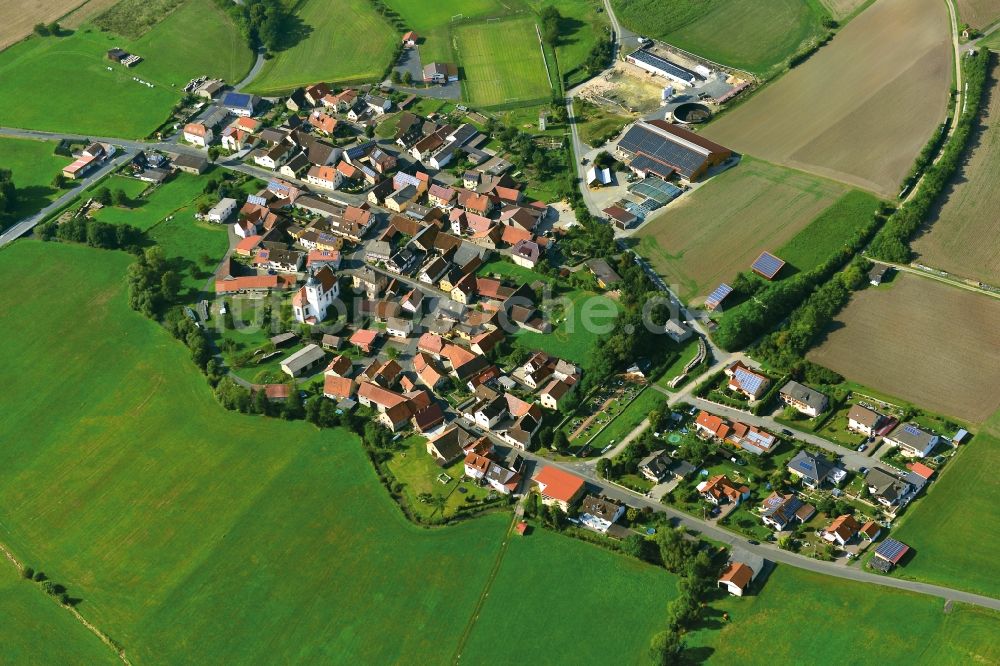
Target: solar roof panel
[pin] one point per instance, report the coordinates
(912, 430)
(749, 381)
(892, 550)
(767, 265)
(717, 295)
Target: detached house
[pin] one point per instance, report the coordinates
(813, 469)
(198, 134)
(842, 530)
(781, 511)
(912, 440)
(886, 489)
(558, 488)
(720, 490)
(804, 399)
(865, 421)
(599, 514)
(746, 382)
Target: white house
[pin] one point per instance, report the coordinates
(221, 211)
(600, 514)
(736, 578)
(198, 134)
(912, 440)
(398, 328)
(325, 176)
(310, 303)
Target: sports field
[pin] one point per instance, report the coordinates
(829, 232)
(929, 343)
(551, 595)
(802, 613)
(501, 62)
(829, 114)
(83, 97)
(33, 166)
(953, 238)
(978, 13)
(349, 43)
(747, 34)
(720, 228)
(953, 529)
(432, 21)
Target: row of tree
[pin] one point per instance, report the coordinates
(892, 242)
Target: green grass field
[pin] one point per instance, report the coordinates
(950, 529)
(501, 62)
(558, 601)
(432, 21)
(33, 166)
(36, 629)
(347, 44)
(148, 211)
(583, 22)
(828, 232)
(802, 613)
(82, 96)
(571, 338)
(630, 417)
(747, 34)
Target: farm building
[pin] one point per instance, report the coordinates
(302, 360)
(657, 148)
(654, 64)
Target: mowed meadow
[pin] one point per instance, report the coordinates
(932, 344)
(67, 84)
(840, 113)
(193, 532)
(502, 62)
(719, 229)
(955, 238)
(340, 42)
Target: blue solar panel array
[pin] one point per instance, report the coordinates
(749, 381)
(666, 66)
(254, 199)
(912, 430)
(891, 549)
(717, 296)
(767, 265)
(640, 139)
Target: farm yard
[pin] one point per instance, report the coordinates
(720, 228)
(978, 13)
(931, 344)
(946, 527)
(33, 165)
(628, 596)
(75, 67)
(331, 50)
(502, 63)
(746, 34)
(952, 240)
(829, 114)
(908, 628)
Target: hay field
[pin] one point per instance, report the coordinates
(349, 43)
(838, 114)
(954, 235)
(978, 13)
(501, 62)
(931, 344)
(720, 228)
(18, 17)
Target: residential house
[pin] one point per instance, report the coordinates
(746, 382)
(865, 421)
(558, 488)
(221, 211)
(441, 196)
(526, 253)
(782, 511)
(240, 104)
(813, 469)
(599, 513)
(433, 270)
(504, 477)
(912, 440)
(315, 93)
(295, 166)
(377, 104)
(193, 164)
(453, 443)
(365, 339)
(736, 578)
(322, 122)
(440, 72)
(279, 259)
(656, 466)
(302, 360)
(410, 39)
(340, 366)
(720, 490)
(870, 530)
(273, 157)
(398, 328)
(555, 391)
(804, 399)
(325, 176)
(842, 530)
(310, 303)
(888, 490)
(198, 134)
(607, 277)
(339, 388)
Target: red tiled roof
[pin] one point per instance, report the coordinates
(559, 485)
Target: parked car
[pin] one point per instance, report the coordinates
(863, 470)
(786, 431)
(863, 447)
(753, 542)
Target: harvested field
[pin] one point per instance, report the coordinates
(86, 11)
(953, 238)
(18, 17)
(719, 229)
(931, 344)
(978, 13)
(502, 62)
(830, 114)
(840, 9)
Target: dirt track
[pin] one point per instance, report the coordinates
(862, 107)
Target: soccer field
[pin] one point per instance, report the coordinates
(502, 62)
(67, 84)
(349, 43)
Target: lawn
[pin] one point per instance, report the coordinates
(33, 166)
(953, 528)
(146, 212)
(511, 271)
(550, 591)
(186, 242)
(828, 115)
(331, 50)
(196, 39)
(747, 34)
(598, 125)
(432, 21)
(842, 622)
(875, 339)
(36, 629)
(155, 506)
(711, 234)
(582, 23)
(952, 239)
(828, 233)
(583, 318)
(502, 63)
(688, 350)
(629, 418)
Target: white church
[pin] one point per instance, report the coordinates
(312, 300)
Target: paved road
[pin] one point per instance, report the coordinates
(27, 224)
(254, 71)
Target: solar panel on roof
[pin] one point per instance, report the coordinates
(257, 201)
(748, 380)
(665, 65)
(912, 430)
(717, 296)
(892, 550)
(767, 265)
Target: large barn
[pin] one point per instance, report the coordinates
(657, 148)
